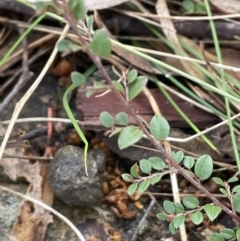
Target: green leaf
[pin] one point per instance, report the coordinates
(118, 86)
(129, 136)
(236, 189)
(99, 85)
(89, 93)
(203, 167)
(188, 162)
(132, 75)
(218, 181)
(212, 211)
(216, 237)
(178, 156)
(77, 78)
(162, 216)
(188, 6)
(122, 118)
(101, 44)
(223, 191)
(132, 189)
(227, 233)
(236, 201)
(233, 179)
(134, 170)
(178, 208)
(90, 20)
(63, 45)
(178, 221)
(172, 228)
(172, 154)
(145, 166)
(238, 234)
(127, 177)
(77, 8)
(136, 87)
(159, 127)
(169, 207)
(197, 218)
(190, 202)
(157, 163)
(143, 186)
(115, 132)
(154, 179)
(116, 72)
(106, 119)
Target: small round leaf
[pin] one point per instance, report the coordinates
(178, 221)
(101, 44)
(190, 202)
(236, 189)
(236, 201)
(179, 207)
(157, 163)
(188, 162)
(223, 191)
(118, 86)
(232, 179)
(143, 186)
(218, 181)
(172, 228)
(156, 178)
(129, 136)
(122, 118)
(132, 188)
(203, 167)
(127, 177)
(134, 170)
(78, 8)
(197, 218)
(212, 211)
(106, 119)
(178, 156)
(216, 237)
(132, 75)
(63, 45)
(238, 234)
(159, 127)
(77, 78)
(136, 87)
(227, 233)
(90, 20)
(145, 166)
(169, 207)
(162, 216)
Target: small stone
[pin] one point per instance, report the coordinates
(68, 179)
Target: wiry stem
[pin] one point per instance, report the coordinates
(169, 161)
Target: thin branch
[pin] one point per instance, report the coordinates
(169, 161)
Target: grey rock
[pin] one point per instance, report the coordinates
(68, 179)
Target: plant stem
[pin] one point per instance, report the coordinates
(169, 161)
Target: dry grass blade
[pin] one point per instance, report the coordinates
(162, 9)
(24, 99)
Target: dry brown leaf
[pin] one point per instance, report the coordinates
(15, 168)
(33, 220)
(26, 228)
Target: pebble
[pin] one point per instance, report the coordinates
(68, 179)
